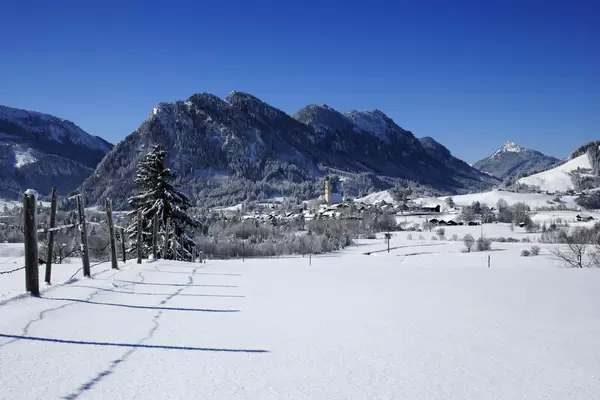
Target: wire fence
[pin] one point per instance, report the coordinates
(12, 270)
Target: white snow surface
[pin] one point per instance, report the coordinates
(558, 179)
(534, 200)
(490, 198)
(376, 197)
(422, 322)
(23, 156)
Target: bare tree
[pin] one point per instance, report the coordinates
(573, 255)
(469, 241)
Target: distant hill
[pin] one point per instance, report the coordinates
(241, 148)
(39, 150)
(512, 160)
(579, 172)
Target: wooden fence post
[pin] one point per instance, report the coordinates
(154, 236)
(83, 231)
(111, 235)
(123, 249)
(50, 245)
(139, 237)
(31, 243)
(166, 242)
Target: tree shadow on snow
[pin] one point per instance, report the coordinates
(157, 294)
(187, 273)
(142, 307)
(174, 284)
(132, 345)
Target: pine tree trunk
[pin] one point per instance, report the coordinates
(155, 236)
(140, 242)
(166, 242)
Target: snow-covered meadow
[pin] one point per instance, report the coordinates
(424, 321)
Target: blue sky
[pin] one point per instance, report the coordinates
(471, 74)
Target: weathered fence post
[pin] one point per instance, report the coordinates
(50, 245)
(310, 259)
(32, 284)
(154, 236)
(139, 237)
(123, 249)
(166, 242)
(111, 235)
(489, 261)
(85, 258)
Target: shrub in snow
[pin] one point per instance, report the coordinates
(434, 238)
(483, 244)
(501, 239)
(454, 238)
(526, 240)
(371, 236)
(409, 237)
(440, 232)
(535, 250)
(525, 253)
(512, 240)
(421, 237)
(469, 241)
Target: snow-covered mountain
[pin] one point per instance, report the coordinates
(239, 148)
(512, 160)
(461, 169)
(39, 150)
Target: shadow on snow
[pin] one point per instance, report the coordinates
(142, 307)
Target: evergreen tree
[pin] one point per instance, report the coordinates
(159, 197)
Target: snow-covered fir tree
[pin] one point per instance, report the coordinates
(159, 197)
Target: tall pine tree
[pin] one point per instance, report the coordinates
(158, 196)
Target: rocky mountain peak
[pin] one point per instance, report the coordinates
(509, 147)
(512, 159)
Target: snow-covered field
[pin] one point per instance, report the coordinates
(490, 198)
(425, 321)
(558, 179)
(534, 200)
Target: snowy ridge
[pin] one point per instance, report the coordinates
(40, 151)
(52, 127)
(559, 179)
(373, 122)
